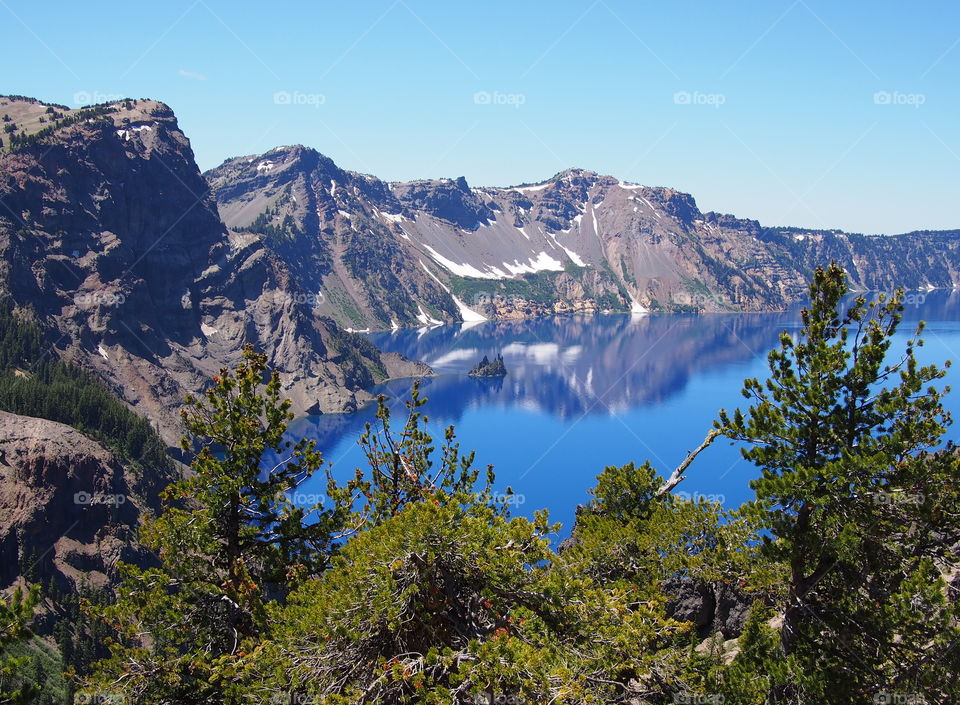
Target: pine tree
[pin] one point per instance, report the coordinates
(860, 502)
(16, 613)
(230, 542)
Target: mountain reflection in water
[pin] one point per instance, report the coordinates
(586, 392)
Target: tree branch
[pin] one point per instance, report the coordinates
(677, 476)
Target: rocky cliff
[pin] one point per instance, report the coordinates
(109, 233)
(68, 509)
(379, 255)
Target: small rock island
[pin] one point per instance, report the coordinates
(488, 368)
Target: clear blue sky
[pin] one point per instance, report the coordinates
(765, 109)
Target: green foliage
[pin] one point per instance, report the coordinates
(536, 287)
(356, 356)
(424, 602)
(264, 223)
(403, 469)
(81, 639)
(230, 541)
(16, 613)
(40, 673)
(859, 501)
(442, 598)
(32, 383)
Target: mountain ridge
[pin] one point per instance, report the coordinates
(437, 250)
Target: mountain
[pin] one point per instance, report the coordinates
(110, 238)
(380, 255)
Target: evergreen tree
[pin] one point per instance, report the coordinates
(230, 541)
(16, 613)
(860, 502)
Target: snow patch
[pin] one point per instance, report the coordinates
(466, 313)
(125, 134)
(574, 257)
(266, 166)
(103, 352)
(393, 217)
(207, 330)
(523, 233)
(524, 189)
(637, 307)
(542, 262)
(434, 276)
(461, 270)
(425, 319)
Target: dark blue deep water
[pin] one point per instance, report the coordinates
(586, 392)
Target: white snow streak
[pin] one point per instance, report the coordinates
(425, 319)
(461, 270)
(434, 276)
(466, 313)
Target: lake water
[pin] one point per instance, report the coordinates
(583, 393)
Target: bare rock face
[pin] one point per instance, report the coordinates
(711, 607)
(68, 510)
(110, 234)
(438, 250)
(341, 234)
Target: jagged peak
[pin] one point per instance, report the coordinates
(281, 159)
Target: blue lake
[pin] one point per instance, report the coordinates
(586, 392)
